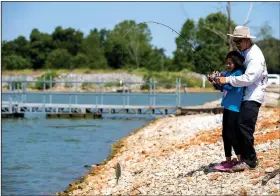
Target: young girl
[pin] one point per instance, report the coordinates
(232, 98)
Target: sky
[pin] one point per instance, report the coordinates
(19, 18)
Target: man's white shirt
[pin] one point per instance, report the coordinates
(255, 76)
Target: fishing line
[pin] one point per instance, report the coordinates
(172, 31)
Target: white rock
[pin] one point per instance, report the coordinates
(269, 170)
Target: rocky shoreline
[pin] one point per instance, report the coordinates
(132, 82)
(174, 155)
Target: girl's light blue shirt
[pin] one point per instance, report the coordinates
(232, 96)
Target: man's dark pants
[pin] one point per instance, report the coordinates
(247, 119)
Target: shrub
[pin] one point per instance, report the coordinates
(13, 62)
(48, 76)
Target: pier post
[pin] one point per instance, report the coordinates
(178, 111)
(102, 91)
(154, 94)
(10, 98)
(150, 97)
(76, 98)
(176, 92)
(127, 93)
(22, 84)
(44, 88)
(123, 83)
(50, 88)
(70, 97)
(96, 94)
(179, 104)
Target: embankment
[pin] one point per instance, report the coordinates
(174, 155)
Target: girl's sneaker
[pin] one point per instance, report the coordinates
(224, 166)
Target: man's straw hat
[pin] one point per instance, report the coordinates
(242, 32)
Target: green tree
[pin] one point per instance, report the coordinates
(41, 44)
(16, 52)
(58, 58)
(22, 47)
(69, 39)
(13, 61)
(209, 38)
(103, 37)
(79, 61)
(115, 54)
(168, 64)
(184, 54)
(265, 32)
(92, 49)
(270, 49)
(128, 45)
(213, 47)
(19, 46)
(8, 48)
(156, 60)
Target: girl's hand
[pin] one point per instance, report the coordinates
(217, 73)
(221, 80)
(214, 73)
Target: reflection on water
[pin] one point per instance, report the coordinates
(45, 156)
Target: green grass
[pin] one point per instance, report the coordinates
(90, 87)
(21, 72)
(170, 77)
(112, 84)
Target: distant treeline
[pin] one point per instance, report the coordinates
(100, 49)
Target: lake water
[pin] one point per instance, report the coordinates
(42, 156)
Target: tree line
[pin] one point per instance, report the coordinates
(204, 41)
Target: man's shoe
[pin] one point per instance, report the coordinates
(240, 167)
(255, 165)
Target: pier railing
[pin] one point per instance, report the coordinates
(18, 94)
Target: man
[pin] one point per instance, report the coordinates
(255, 82)
(185, 87)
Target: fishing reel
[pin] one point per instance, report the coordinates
(211, 77)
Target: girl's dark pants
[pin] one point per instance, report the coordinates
(229, 133)
(247, 119)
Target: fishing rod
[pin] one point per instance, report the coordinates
(172, 31)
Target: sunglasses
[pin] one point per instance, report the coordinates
(237, 41)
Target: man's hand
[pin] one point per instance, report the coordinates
(212, 75)
(221, 80)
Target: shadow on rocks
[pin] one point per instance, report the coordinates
(205, 168)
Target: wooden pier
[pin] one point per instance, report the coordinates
(200, 109)
(82, 110)
(96, 111)
(71, 115)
